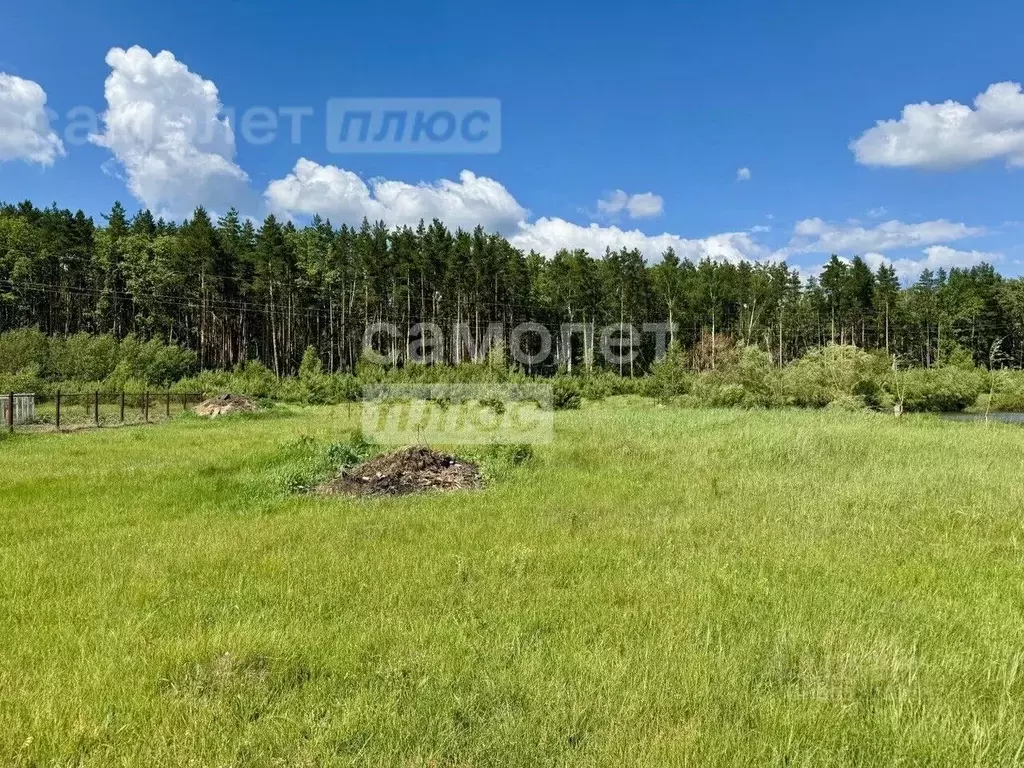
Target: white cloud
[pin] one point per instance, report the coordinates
(163, 124)
(24, 126)
(819, 236)
(344, 197)
(935, 258)
(743, 174)
(877, 213)
(950, 134)
(645, 205)
(547, 235)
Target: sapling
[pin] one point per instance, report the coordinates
(899, 385)
(994, 354)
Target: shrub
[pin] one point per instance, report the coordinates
(565, 394)
(495, 403)
(948, 388)
(306, 461)
(1007, 388)
(84, 357)
(846, 403)
(25, 380)
(830, 373)
(670, 376)
(23, 349)
(717, 395)
(512, 454)
(757, 375)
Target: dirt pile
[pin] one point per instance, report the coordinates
(226, 403)
(412, 470)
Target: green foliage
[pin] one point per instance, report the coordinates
(25, 380)
(98, 360)
(305, 462)
(565, 394)
(499, 460)
(1007, 391)
(598, 385)
(947, 388)
(496, 404)
(832, 373)
(24, 349)
(311, 366)
(744, 376)
(232, 290)
(670, 376)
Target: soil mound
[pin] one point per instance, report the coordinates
(226, 403)
(412, 470)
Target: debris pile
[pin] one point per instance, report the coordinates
(224, 404)
(411, 470)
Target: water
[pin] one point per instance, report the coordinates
(1005, 418)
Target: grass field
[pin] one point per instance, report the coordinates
(657, 587)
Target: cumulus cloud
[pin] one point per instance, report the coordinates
(819, 236)
(344, 197)
(936, 257)
(640, 206)
(949, 134)
(24, 126)
(163, 124)
(743, 174)
(548, 235)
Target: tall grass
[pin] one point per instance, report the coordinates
(657, 587)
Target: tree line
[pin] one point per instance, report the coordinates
(232, 291)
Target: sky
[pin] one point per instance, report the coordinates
(730, 130)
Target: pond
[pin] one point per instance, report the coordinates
(1006, 418)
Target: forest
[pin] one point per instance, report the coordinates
(231, 292)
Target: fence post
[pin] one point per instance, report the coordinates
(122, 406)
(96, 407)
(58, 410)
(10, 412)
(168, 405)
(145, 406)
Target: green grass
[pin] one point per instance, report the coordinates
(657, 587)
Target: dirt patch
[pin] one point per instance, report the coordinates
(412, 470)
(224, 404)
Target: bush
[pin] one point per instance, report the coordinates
(670, 376)
(601, 384)
(755, 373)
(495, 403)
(25, 380)
(307, 462)
(846, 403)
(714, 394)
(831, 373)
(98, 359)
(1007, 391)
(948, 388)
(24, 349)
(565, 394)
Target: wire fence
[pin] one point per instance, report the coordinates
(81, 410)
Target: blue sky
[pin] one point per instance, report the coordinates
(662, 100)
